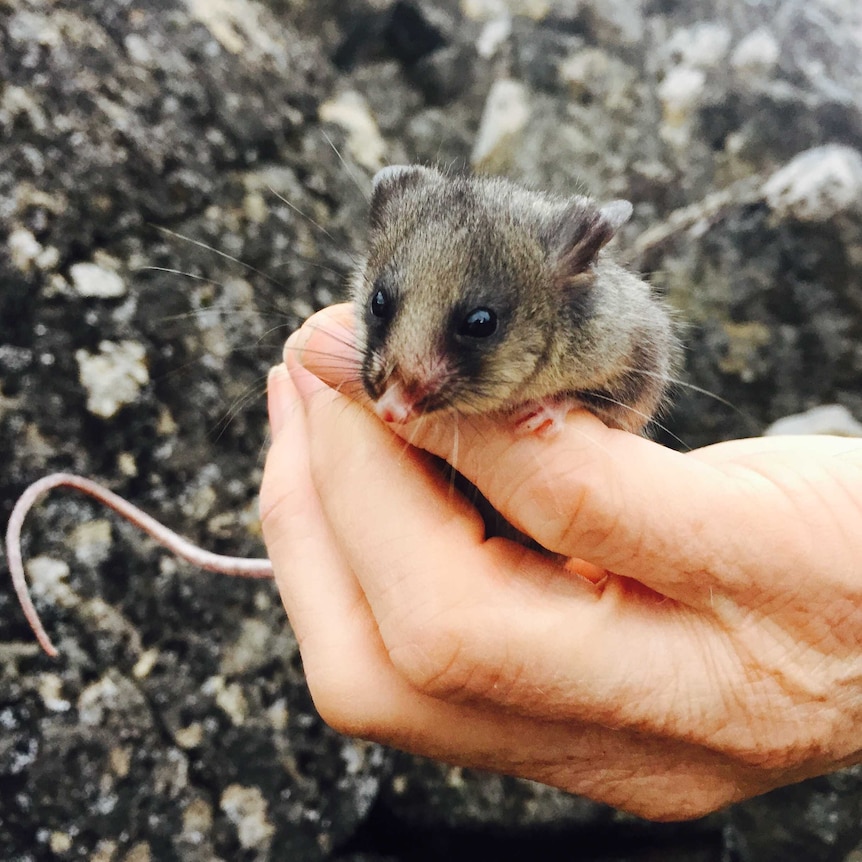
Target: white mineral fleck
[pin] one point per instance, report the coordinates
(51, 692)
(105, 852)
(255, 208)
(91, 541)
(139, 50)
(242, 27)
(364, 142)
(485, 10)
(580, 68)
(19, 100)
(139, 852)
(493, 35)
(245, 807)
(24, 248)
(90, 279)
(144, 665)
(618, 22)
(121, 760)
(833, 419)
(482, 10)
(817, 184)
(191, 736)
(278, 715)
(248, 652)
(61, 842)
(680, 91)
(197, 820)
(113, 376)
(229, 697)
(48, 581)
(126, 464)
(704, 45)
(49, 257)
(757, 52)
(504, 117)
(96, 699)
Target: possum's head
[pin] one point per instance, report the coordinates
(468, 284)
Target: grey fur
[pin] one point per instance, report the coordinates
(575, 327)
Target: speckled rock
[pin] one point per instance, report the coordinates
(817, 185)
(135, 355)
(822, 822)
(177, 148)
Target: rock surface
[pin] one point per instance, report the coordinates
(166, 184)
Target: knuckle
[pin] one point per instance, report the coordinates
(448, 660)
(434, 660)
(568, 508)
(347, 702)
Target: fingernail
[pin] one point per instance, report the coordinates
(331, 340)
(281, 398)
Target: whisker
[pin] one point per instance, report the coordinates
(299, 212)
(309, 262)
(646, 416)
(270, 310)
(335, 336)
(676, 381)
(218, 311)
(347, 167)
(342, 361)
(170, 271)
(247, 266)
(254, 391)
(456, 440)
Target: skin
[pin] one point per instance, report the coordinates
(703, 645)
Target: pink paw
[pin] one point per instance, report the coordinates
(543, 418)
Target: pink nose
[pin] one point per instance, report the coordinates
(395, 405)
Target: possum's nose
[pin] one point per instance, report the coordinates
(397, 404)
(403, 401)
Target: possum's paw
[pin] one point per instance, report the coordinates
(545, 418)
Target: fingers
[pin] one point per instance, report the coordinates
(359, 691)
(466, 619)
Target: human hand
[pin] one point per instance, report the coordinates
(712, 650)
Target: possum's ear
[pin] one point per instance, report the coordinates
(581, 231)
(617, 213)
(389, 182)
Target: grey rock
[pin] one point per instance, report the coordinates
(826, 419)
(504, 117)
(818, 820)
(177, 724)
(818, 184)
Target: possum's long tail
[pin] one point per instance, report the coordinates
(239, 566)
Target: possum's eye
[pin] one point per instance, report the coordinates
(381, 304)
(479, 323)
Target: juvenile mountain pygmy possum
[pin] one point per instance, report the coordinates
(476, 296)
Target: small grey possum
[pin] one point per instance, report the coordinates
(476, 296)
(479, 296)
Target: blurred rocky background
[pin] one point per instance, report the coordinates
(171, 207)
